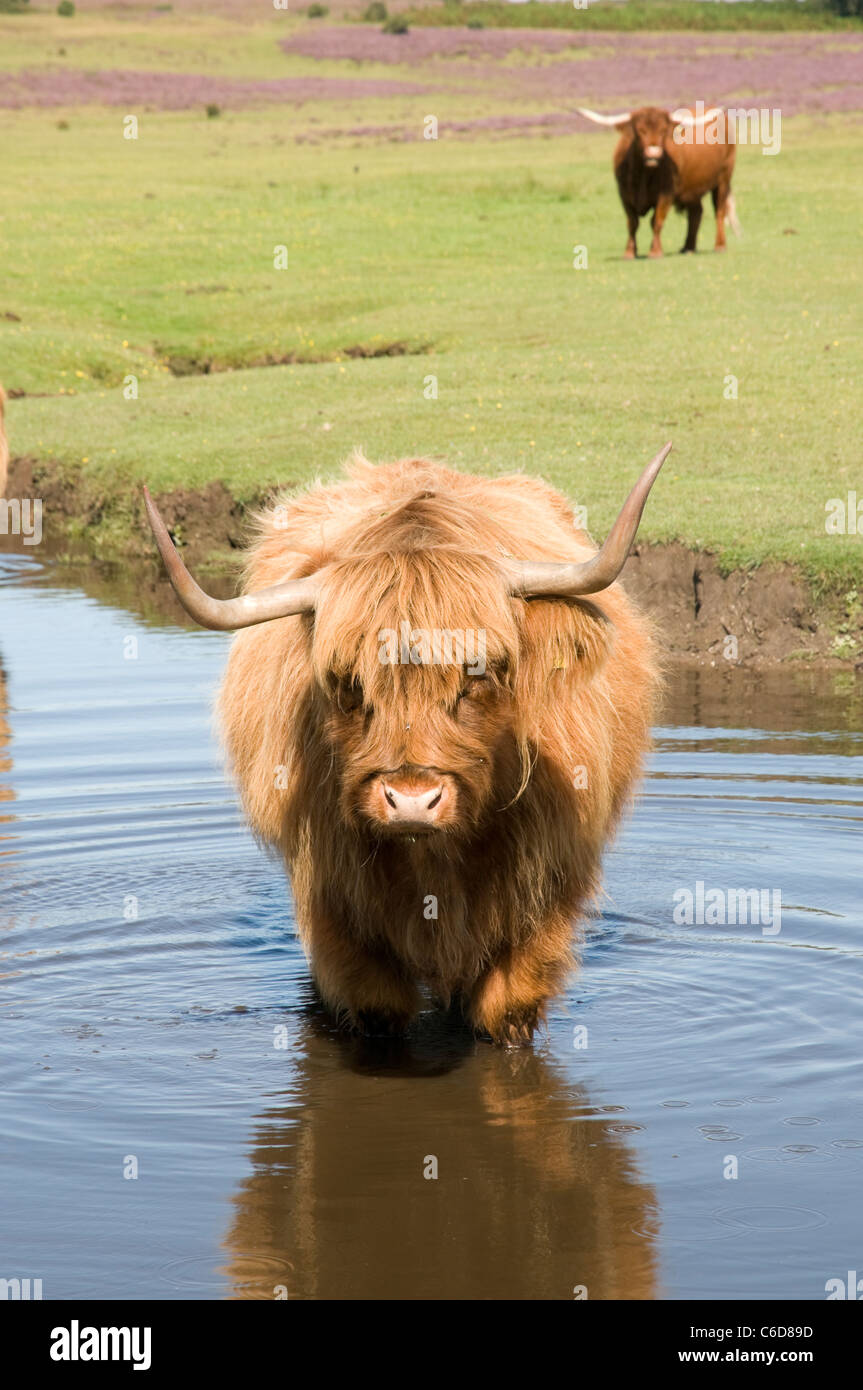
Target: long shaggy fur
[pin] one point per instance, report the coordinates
(544, 752)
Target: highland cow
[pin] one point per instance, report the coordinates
(442, 825)
(656, 169)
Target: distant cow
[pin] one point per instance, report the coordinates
(655, 171)
(436, 712)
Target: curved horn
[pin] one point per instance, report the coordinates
(683, 117)
(225, 615)
(602, 120)
(567, 579)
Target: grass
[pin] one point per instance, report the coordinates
(662, 15)
(148, 41)
(124, 256)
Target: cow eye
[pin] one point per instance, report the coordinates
(348, 694)
(472, 688)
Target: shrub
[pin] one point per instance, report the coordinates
(396, 24)
(376, 12)
(66, 9)
(213, 110)
(317, 11)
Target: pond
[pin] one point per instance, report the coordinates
(182, 1121)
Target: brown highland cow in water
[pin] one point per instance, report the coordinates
(435, 728)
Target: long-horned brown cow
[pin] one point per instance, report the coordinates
(656, 170)
(436, 713)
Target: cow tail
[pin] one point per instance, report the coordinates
(731, 214)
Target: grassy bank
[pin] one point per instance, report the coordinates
(141, 302)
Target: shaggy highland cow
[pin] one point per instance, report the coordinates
(435, 728)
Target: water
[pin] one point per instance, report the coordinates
(156, 1015)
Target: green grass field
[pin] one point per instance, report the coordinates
(151, 256)
(636, 15)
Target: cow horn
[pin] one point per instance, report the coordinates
(683, 117)
(567, 579)
(602, 120)
(226, 615)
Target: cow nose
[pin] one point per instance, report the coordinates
(653, 153)
(413, 807)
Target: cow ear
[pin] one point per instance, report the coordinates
(572, 636)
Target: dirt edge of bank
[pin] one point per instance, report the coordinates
(758, 617)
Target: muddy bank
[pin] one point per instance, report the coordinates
(756, 618)
(82, 516)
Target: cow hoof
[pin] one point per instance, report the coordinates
(654, 255)
(720, 248)
(516, 1030)
(515, 1037)
(372, 1023)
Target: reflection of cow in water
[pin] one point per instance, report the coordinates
(535, 1195)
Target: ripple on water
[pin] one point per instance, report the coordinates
(772, 1218)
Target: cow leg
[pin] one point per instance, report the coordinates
(663, 208)
(694, 214)
(365, 989)
(509, 999)
(720, 203)
(632, 228)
